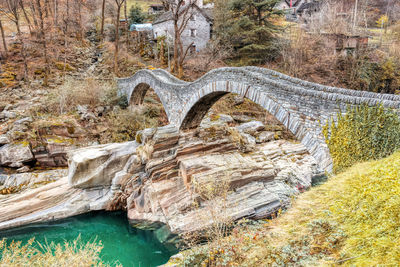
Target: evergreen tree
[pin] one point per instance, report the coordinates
(251, 29)
(136, 15)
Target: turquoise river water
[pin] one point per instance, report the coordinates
(122, 243)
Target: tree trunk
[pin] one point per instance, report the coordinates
(46, 8)
(33, 9)
(127, 25)
(3, 37)
(103, 7)
(55, 13)
(117, 40)
(80, 30)
(66, 21)
(21, 3)
(176, 44)
(21, 40)
(43, 40)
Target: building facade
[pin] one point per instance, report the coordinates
(197, 32)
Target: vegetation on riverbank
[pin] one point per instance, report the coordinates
(363, 133)
(37, 254)
(353, 219)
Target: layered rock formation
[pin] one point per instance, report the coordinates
(170, 187)
(176, 179)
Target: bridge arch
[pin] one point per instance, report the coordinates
(200, 103)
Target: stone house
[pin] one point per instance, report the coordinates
(198, 30)
(296, 9)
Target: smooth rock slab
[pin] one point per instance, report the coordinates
(96, 166)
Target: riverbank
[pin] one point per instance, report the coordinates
(349, 220)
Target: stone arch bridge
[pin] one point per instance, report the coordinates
(299, 105)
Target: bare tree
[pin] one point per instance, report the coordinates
(119, 4)
(103, 10)
(181, 12)
(21, 2)
(12, 12)
(3, 37)
(43, 41)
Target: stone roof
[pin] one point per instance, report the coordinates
(307, 6)
(166, 16)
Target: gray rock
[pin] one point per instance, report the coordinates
(25, 120)
(250, 142)
(265, 137)
(100, 111)
(241, 118)
(3, 178)
(220, 120)
(4, 140)
(251, 127)
(81, 109)
(9, 114)
(15, 155)
(28, 179)
(8, 107)
(238, 100)
(23, 169)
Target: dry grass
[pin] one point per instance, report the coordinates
(36, 254)
(89, 92)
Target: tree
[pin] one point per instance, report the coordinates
(3, 37)
(43, 41)
(13, 13)
(119, 4)
(136, 15)
(251, 29)
(103, 10)
(181, 12)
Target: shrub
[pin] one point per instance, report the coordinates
(88, 92)
(363, 133)
(36, 254)
(125, 123)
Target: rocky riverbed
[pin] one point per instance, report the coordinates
(162, 179)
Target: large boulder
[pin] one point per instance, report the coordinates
(15, 155)
(96, 166)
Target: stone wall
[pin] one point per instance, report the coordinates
(299, 105)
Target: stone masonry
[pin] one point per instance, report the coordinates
(299, 105)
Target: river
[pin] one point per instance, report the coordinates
(122, 243)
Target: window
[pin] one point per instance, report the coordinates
(192, 33)
(192, 49)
